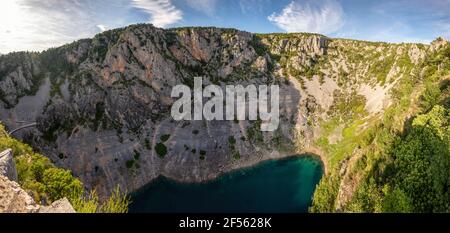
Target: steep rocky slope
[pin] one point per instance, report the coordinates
(102, 105)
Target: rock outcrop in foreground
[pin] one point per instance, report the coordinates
(13, 199)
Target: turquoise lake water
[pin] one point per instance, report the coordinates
(275, 186)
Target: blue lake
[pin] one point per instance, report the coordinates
(274, 186)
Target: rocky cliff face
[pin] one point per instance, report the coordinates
(102, 105)
(7, 165)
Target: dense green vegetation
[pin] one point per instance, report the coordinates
(403, 159)
(411, 174)
(47, 183)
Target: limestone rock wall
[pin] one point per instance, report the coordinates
(7, 165)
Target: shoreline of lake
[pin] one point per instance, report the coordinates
(291, 181)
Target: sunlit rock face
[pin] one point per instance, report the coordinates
(13, 199)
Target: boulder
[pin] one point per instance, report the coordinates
(60, 206)
(13, 199)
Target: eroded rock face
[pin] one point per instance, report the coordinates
(60, 206)
(13, 199)
(17, 70)
(438, 43)
(102, 105)
(7, 165)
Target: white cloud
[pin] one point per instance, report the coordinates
(35, 25)
(102, 27)
(320, 16)
(162, 12)
(208, 7)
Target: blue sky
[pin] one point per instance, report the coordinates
(37, 25)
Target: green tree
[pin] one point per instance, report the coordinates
(397, 202)
(325, 194)
(422, 159)
(60, 183)
(431, 96)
